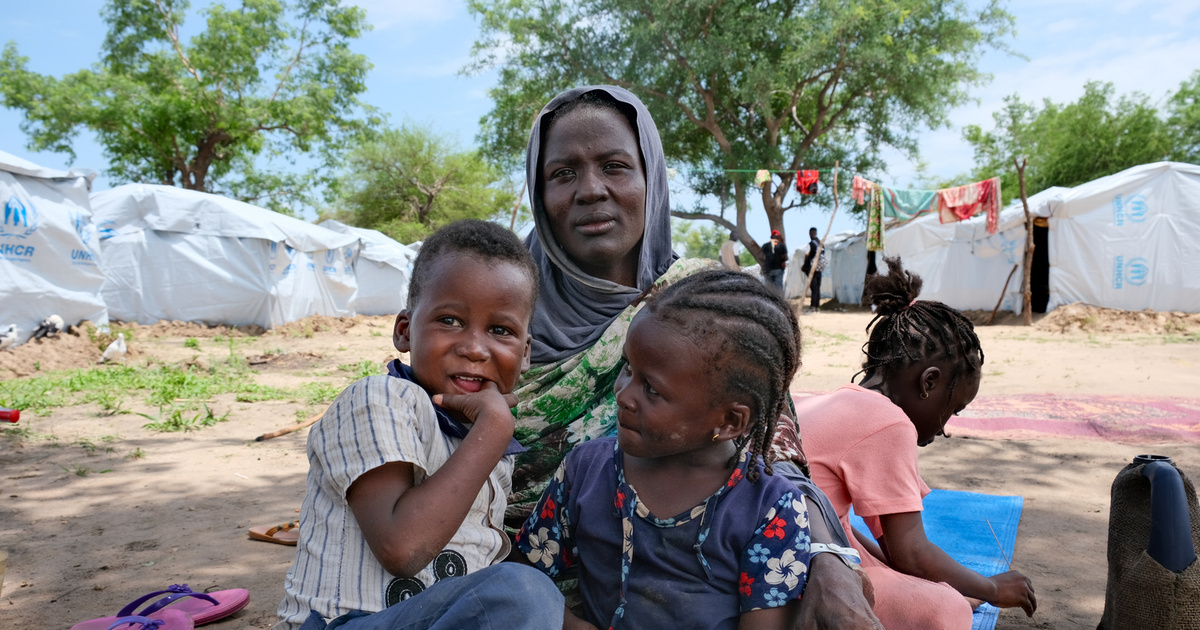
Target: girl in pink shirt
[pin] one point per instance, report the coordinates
(923, 365)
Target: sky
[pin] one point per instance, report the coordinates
(419, 46)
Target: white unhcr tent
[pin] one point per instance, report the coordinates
(175, 254)
(960, 264)
(794, 277)
(1129, 241)
(48, 250)
(383, 270)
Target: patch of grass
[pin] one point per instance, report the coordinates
(319, 393)
(87, 445)
(137, 453)
(376, 333)
(109, 386)
(79, 471)
(831, 336)
(362, 369)
(1184, 338)
(192, 342)
(178, 421)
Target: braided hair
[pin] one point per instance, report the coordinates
(753, 342)
(906, 330)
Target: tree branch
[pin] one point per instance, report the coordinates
(173, 34)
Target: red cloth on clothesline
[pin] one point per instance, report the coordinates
(806, 182)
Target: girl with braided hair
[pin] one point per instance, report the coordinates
(923, 365)
(679, 521)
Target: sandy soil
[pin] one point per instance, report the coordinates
(96, 510)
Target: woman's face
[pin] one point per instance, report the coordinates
(594, 192)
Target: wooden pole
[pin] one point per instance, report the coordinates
(992, 317)
(512, 224)
(821, 246)
(1026, 289)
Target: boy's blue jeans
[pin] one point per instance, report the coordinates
(502, 596)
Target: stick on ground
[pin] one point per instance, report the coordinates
(306, 423)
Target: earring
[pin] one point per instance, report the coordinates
(716, 434)
(924, 395)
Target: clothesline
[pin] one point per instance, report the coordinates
(769, 170)
(957, 203)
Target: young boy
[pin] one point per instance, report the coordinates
(409, 473)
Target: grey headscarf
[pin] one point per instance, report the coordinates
(574, 308)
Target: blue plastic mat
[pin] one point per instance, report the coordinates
(958, 523)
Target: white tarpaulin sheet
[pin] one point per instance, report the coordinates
(1129, 241)
(794, 277)
(48, 247)
(383, 269)
(847, 266)
(175, 254)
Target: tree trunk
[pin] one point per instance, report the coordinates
(1026, 288)
(747, 239)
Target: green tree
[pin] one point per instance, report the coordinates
(263, 82)
(1184, 120)
(1071, 144)
(409, 182)
(703, 241)
(739, 85)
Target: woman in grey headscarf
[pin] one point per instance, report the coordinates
(598, 186)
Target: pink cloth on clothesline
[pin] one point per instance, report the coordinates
(859, 189)
(963, 202)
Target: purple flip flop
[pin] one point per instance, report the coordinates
(163, 620)
(201, 608)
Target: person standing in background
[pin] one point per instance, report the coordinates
(729, 253)
(815, 286)
(775, 258)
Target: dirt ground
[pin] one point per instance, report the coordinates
(96, 510)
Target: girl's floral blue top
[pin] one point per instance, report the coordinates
(744, 548)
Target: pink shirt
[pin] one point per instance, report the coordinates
(862, 451)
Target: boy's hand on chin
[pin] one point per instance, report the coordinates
(488, 404)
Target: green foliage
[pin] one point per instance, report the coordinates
(411, 181)
(1183, 109)
(1071, 144)
(319, 393)
(362, 369)
(191, 342)
(703, 241)
(179, 421)
(109, 385)
(264, 81)
(740, 85)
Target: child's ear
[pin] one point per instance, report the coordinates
(526, 357)
(737, 420)
(401, 331)
(930, 379)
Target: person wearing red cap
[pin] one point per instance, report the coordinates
(774, 253)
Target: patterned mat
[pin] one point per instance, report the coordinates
(1124, 419)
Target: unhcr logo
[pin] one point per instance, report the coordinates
(20, 219)
(1133, 209)
(1135, 272)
